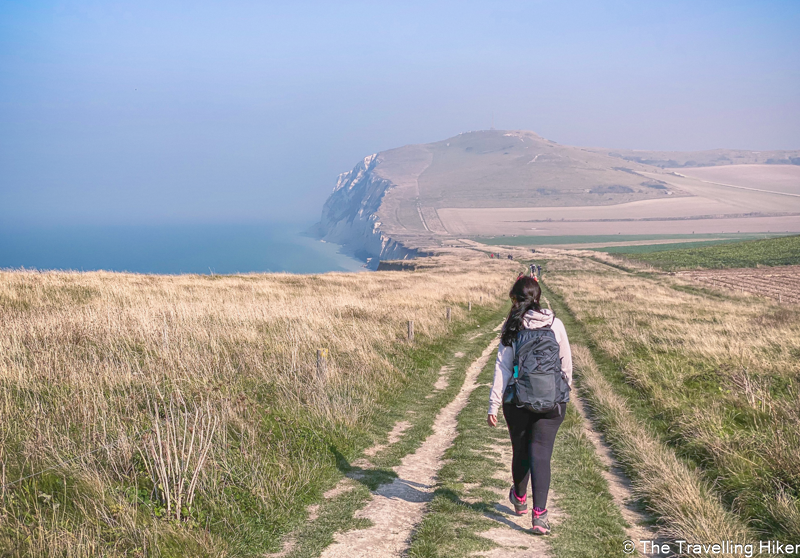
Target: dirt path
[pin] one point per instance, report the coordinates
(513, 532)
(396, 508)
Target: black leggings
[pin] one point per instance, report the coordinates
(532, 434)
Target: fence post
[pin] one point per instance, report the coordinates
(469, 307)
(410, 330)
(448, 314)
(322, 364)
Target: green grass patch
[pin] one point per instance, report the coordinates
(649, 248)
(769, 252)
(610, 238)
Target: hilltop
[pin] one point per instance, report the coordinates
(417, 198)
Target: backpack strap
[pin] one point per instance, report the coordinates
(515, 370)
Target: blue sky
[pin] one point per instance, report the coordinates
(222, 112)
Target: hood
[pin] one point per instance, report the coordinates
(534, 319)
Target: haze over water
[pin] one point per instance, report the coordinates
(171, 249)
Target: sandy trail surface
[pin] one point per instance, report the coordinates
(396, 508)
(513, 532)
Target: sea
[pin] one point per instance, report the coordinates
(173, 249)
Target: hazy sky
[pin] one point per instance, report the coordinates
(156, 112)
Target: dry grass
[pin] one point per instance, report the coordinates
(81, 354)
(673, 490)
(718, 374)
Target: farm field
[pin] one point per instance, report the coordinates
(777, 178)
(647, 248)
(769, 252)
(781, 284)
(620, 241)
(695, 389)
(610, 220)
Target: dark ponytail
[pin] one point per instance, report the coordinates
(524, 296)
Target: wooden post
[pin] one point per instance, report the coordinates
(410, 330)
(469, 306)
(448, 314)
(322, 364)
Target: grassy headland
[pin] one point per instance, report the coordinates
(184, 415)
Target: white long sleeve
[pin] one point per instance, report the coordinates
(564, 350)
(503, 370)
(504, 366)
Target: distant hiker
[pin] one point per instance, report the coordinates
(532, 380)
(510, 257)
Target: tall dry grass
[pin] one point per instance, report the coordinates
(720, 371)
(673, 490)
(82, 354)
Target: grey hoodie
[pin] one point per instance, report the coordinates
(504, 367)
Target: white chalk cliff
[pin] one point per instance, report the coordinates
(350, 216)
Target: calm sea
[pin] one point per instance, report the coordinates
(173, 249)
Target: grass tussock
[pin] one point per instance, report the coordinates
(184, 415)
(714, 376)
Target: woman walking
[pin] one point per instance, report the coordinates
(532, 380)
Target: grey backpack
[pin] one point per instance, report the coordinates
(538, 384)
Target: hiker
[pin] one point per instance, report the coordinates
(532, 380)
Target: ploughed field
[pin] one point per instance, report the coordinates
(778, 283)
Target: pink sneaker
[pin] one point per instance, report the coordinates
(540, 524)
(520, 504)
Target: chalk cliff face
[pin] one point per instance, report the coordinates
(350, 216)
